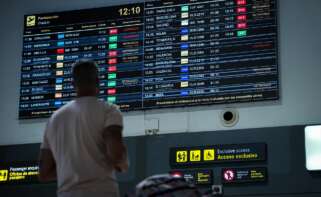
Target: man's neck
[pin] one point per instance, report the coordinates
(86, 94)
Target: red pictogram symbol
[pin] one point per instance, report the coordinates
(229, 175)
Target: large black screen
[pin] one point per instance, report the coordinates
(154, 54)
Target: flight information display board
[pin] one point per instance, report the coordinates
(154, 54)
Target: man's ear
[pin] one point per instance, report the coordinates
(75, 87)
(97, 85)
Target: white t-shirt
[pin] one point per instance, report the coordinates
(74, 134)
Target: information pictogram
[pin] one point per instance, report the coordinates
(3, 175)
(195, 155)
(181, 156)
(209, 155)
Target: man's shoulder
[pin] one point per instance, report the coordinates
(108, 106)
(112, 108)
(62, 110)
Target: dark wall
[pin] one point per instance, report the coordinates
(149, 155)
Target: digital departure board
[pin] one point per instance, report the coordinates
(154, 54)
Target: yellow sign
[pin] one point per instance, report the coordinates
(203, 177)
(195, 155)
(209, 155)
(3, 175)
(181, 156)
(31, 21)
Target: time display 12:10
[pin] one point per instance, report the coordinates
(129, 11)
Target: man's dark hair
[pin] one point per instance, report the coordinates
(85, 74)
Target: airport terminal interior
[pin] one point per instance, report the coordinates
(222, 94)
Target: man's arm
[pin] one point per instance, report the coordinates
(116, 149)
(47, 166)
